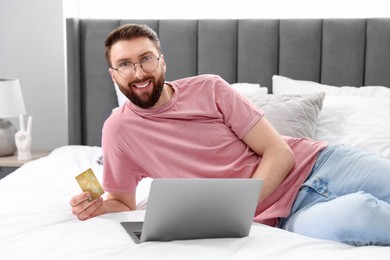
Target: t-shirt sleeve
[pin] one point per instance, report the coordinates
(238, 112)
(120, 173)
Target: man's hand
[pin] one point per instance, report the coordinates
(83, 208)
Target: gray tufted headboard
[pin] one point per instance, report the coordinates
(338, 52)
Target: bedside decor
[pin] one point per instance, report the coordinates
(11, 105)
(23, 139)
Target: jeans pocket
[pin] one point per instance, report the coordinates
(320, 186)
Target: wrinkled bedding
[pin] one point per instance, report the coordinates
(36, 222)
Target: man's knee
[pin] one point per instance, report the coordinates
(346, 219)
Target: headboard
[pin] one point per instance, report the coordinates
(354, 52)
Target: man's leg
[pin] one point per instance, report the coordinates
(357, 219)
(346, 198)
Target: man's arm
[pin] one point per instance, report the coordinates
(115, 202)
(277, 157)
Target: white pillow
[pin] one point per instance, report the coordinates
(350, 115)
(284, 85)
(119, 96)
(249, 89)
(291, 115)
(142, 193)
(357, 121)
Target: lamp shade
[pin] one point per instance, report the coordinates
(11, 98)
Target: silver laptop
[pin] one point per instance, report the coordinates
(181, 209)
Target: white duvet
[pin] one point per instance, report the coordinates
(36, 223)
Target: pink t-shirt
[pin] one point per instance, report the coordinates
(197, 134)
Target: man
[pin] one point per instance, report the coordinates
(200, 127)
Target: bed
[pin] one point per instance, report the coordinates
(314, 77)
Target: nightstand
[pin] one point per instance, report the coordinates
(9, 164)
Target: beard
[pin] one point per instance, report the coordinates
(146, 100)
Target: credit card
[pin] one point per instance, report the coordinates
(88, 182)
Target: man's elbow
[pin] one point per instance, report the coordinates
(289, 157)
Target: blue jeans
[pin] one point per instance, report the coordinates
(345, 198)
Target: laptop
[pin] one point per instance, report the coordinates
(180, 209)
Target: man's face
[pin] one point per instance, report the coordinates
(143, 88)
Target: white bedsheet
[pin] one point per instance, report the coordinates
(36, 223)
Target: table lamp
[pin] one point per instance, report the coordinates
(11, 105)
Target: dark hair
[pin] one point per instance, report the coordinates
(128, 32)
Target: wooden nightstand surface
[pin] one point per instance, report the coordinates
(12, 161)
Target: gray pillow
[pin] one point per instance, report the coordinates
(291, 115)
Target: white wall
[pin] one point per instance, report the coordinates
(32, 49)
(200, 9)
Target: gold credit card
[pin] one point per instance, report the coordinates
(88, 182)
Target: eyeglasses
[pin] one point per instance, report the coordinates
(147, 63)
